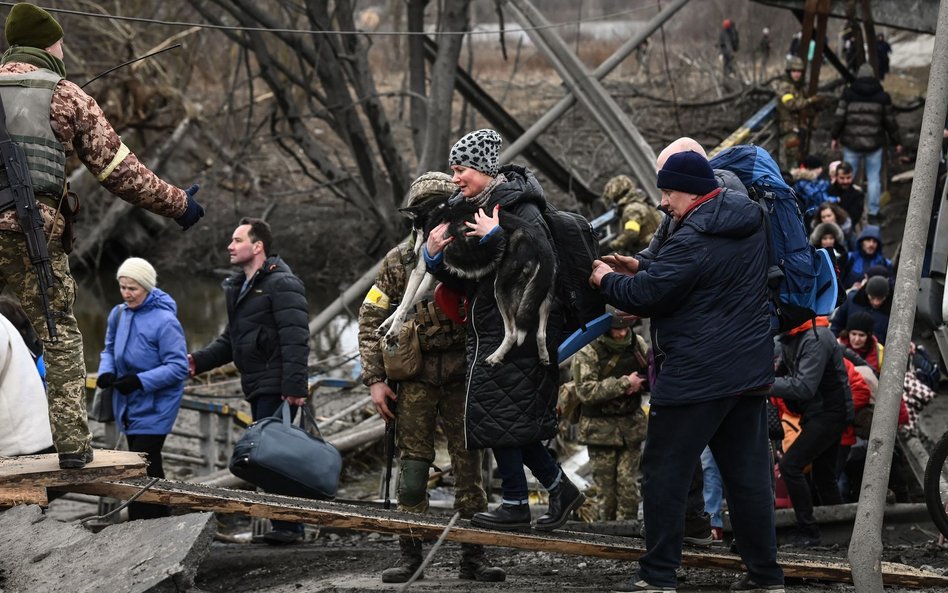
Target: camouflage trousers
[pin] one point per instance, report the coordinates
(419, 407)
(790, 151)
(616, 473)
(65, 366)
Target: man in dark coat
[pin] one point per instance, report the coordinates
(706, 294)
(864, 119)
(814, 383)
(266, 337)
(511, 406)
(872, 298)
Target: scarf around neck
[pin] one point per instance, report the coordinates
(35, 57)
(480, 199)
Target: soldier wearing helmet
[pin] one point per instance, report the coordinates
(434, 388)
(609, 378)
(795, 114)
(638, 219)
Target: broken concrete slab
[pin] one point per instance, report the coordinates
(42, 555)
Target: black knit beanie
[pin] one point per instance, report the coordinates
(478, 150)
(877, 287)
(687, 172)
(31, 26)
(861, 322)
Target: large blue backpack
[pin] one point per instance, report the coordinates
(803, 280)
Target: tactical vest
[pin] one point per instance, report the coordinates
(614, 364)
(26, 101)
(436, 331)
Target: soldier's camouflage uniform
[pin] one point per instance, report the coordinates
(438, 390)
(638, 219)
(612, 424)
(79, 124)
(795, 114)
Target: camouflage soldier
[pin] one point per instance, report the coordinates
(437, 390)
(638, 219)
(52, 119)
(610, 376)
(795, 114)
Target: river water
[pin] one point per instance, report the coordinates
(202, 313)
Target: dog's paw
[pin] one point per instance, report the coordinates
(390, 340)
(494, 359)
(544, 358)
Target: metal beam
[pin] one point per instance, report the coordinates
(557, 111)
(865, 549)
(912, 15)
(562, 175)
(628, 141)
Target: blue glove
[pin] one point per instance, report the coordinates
(194, 212)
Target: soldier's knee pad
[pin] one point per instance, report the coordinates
(412, 481)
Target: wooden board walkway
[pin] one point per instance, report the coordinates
(360, 518)
(24, 479)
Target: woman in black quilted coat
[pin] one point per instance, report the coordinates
(510, 406)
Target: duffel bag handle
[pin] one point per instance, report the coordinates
(284, 413)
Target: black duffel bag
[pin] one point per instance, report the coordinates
(282, 458)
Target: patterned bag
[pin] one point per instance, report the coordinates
(774, 425)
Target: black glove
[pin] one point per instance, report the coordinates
(127, 384)
(194, 212)
(105, 380)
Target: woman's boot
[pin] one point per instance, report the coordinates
(407, 564)
(564, 498)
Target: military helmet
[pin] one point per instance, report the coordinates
(432, 184)
(795, 63)
(620, 319)
(617, 187)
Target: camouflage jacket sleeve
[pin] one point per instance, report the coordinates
(791, 98)
(590, 387)
(630, 227)
(379, 303)
(79, 123)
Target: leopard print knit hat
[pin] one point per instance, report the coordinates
(478, 150)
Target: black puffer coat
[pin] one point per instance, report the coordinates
(514, 403)
(863, 117)
(267, 333)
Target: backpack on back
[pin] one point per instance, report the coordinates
(803, 282)
(576, 246)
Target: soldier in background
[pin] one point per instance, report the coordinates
(795, 113)
(610, 376)
(52, 119)
(437, 390)
(638, 219)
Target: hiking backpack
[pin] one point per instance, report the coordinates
(803, 282)
(576, 247)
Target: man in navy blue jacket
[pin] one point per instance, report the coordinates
(705, 292)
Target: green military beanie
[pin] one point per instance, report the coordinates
(31, 26)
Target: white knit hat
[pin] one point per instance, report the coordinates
(140, 271)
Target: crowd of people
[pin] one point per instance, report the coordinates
(695, 270)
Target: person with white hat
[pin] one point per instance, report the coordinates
(145, 362)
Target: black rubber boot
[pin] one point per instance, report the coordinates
(407, 564)
(565, 498)
(506, 517)
(75, 460)
(475, 567)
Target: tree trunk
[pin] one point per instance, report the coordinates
(416, 69)
(438, 128)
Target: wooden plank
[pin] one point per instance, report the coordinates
(43, 470)
(13, 496)
(333, 514)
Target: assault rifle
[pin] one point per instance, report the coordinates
(390, 447)
(19, 192)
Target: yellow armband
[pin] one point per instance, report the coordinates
(120, 155)
(377, 297)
